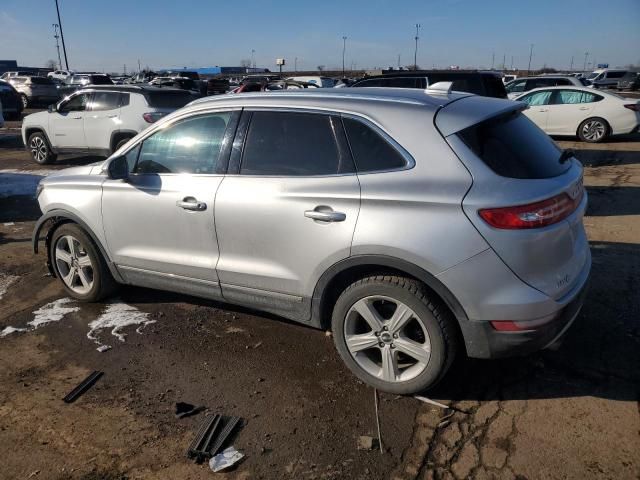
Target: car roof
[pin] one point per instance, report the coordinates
(131, 88)
(424, 73)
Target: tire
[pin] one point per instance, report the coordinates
(121, 143)
(429, 333)
(91, 280)
(25, 101)
(593, 130)
(40, 149)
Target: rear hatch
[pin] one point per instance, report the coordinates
(527, 199)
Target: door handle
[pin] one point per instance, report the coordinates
(325, 214)
(543, 110)
(584, 108)
(76, 118)
(112, 116)
(190, 203)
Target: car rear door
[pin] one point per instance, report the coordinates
(287, 209)
(538, 110)
(159, 224)
(567, 109)
(66, 125)
(102, 119)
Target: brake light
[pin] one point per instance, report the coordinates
(533, 215)
(151, 117)
(633, 106)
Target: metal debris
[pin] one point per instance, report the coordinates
(432, 402)
(85, 385)
(186, 409)
(225, 459)
(212, 434)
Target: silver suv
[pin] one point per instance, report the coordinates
(414, 225)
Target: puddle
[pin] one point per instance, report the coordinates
(116, 317)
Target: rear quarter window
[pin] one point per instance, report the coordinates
(170, 99)
(514, 147)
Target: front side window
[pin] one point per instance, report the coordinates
(76, 104)
(105, 101)
(537, 98)
(516, 87)
(292, 144)
(190, 146)
(370, 150)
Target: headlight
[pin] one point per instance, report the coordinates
(39, 189)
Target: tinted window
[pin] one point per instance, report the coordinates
(291, 144)
(370, 151)
(41, 81)
(100, 80)
(190, 146)
(517, 86)
(494, 87)
(76, 104)
(168, 99)
(512, 146)
(105, 101)
(615, 74)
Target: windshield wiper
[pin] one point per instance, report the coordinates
(566, 155)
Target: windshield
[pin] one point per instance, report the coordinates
(593, 75)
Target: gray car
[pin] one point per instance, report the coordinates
(35, 90)
(415, 225)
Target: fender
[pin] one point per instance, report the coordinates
(120, 133)
(383, 261)
(42, 130)
(59, 216)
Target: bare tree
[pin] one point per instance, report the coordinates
(51, 64)
(320, 68)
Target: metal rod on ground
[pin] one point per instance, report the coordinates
(432, 402)
(375, 398)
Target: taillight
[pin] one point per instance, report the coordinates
(151, 117)
(533, 215)
(522, 325)
(633, 106)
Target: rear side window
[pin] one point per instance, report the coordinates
(171, 99)
(513, 146)
(615, 74)
(292, 144)
(371, 152)
(567, 97)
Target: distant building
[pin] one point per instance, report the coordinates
(217, 70)
(12, 66)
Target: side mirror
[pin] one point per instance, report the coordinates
(52, 108)
(118, 168)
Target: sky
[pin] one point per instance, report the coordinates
(106, 35)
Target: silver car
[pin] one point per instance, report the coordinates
(415, 225)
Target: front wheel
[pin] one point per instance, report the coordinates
(79, 265)
(40, 149)
(393, 334)
(593, 130)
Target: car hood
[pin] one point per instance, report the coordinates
(91, 169)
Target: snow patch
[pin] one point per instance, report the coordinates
(5, 282)
(116, 317)
(52, 312)
(10, 330)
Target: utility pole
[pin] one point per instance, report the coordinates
(398, 61)
(253, 58)
(139, 68)
(584, 68)
(56, 36)
(344, 49)
(504, 61)
(571, 67)
(530, 55)
(415, 54)
(295, 64)
(64, 48)
(511, 62)
(493, 59)
(124, 71)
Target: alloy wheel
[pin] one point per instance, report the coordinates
(74, 264)
(39, 149)
(593, 130)
(387, 339)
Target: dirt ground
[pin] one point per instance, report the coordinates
(573, 413)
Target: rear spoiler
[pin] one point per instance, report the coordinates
(467, 111)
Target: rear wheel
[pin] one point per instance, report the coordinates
(40, 149)
(393, 335)
(593, 130)
(79, 265)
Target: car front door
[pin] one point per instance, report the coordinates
(567, 109)
(286, 210)
(538, 107)
(102, 119)
(66, 125)
(159, 223)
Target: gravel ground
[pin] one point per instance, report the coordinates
(573, 413)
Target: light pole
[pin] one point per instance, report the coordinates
(64, 49)
(530, 55)
(295, 64)
(571, 67)
(344, 49)
(253, 58)
(56, 36)
(584, 68)
(493, 59)
(415, 54)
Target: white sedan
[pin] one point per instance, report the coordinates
(592, 116)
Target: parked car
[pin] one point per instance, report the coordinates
(415, 227)
(194, 76)
(488, 84)
(580, 111)
(60, 74)
(21, 73)
(81, 80)
(216, 86)
(606, 77)
(97, 120)
(630, 81)
(177, 82)
(508, 78)
(35, 90)
(1, 115)
(322, 82)
(11, 101)
(517, 87)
